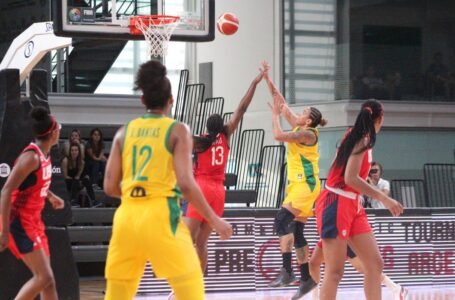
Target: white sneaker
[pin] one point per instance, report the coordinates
(315, 294)
(171, 296)
(401, 294)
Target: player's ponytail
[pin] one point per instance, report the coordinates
(42, 122)
(363, 128)
(316, 118)
(215, 126)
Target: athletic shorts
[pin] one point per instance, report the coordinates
(214, 193)
(338, 216)
(150, 230)
(27, 235)
(300, 196)
(350, 253)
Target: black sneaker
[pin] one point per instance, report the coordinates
(304, 288)
(283, 279)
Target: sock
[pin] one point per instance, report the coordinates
(389, 283)
(287, 258)
(304, 272)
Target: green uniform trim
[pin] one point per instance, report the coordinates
(168, 134)
(309, 172)
(177, 192)
(174, 209)
(125, 129)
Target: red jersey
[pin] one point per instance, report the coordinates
(30, 197)
(211, 163)
(335, 179)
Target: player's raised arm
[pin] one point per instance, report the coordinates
(287, 113)
(233, 123)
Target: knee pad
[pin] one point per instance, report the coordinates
(299, 238)
(283, 222)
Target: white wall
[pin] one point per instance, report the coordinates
(236, 58)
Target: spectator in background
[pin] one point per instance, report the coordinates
(437, 78)
(95, 158)
(373, 85)
(374, 178)
(392, 85)
(76, 180)
(74, 137)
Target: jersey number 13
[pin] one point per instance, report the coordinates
(217, 156)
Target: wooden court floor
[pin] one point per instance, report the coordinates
(92, 288)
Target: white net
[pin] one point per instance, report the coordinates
(157, 31)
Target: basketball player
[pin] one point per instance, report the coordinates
(22, 200)
(211, 152)
(149, 168)
(317, 259)
(303, 188)
(339, 211)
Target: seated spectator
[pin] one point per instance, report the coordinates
(373, 85)
(73, 167)
(437, 78)
(74, 137)
(392, 85)
(374, 178)
(95, 158)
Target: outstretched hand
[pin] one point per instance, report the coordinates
(265, 68)
(393, 206)
(223, 228)
(57, 202)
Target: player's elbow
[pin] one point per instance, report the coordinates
(185, 184)
(279, 138)
(112, 191)
(350, 180)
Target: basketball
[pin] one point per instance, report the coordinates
(227, 24)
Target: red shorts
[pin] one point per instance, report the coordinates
(215, 195)
(27, 235)
(338, 216)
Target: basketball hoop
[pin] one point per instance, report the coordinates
(157, 30)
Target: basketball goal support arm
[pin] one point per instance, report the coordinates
(30, 46)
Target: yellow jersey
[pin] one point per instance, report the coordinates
(302, 161)
(147, 161)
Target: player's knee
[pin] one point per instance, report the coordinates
(374, 266)
(335, 274)
(284, 222)
(46, 279)
(299, 237)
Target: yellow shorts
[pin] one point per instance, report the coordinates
(150, 230)
(301, 197)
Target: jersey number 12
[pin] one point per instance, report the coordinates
(144, 151)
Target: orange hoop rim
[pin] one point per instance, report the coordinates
(154, 19)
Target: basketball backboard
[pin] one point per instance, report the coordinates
(110, 18)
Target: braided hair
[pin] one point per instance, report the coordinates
(316, 118)
(215, 126)
(370, 111)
